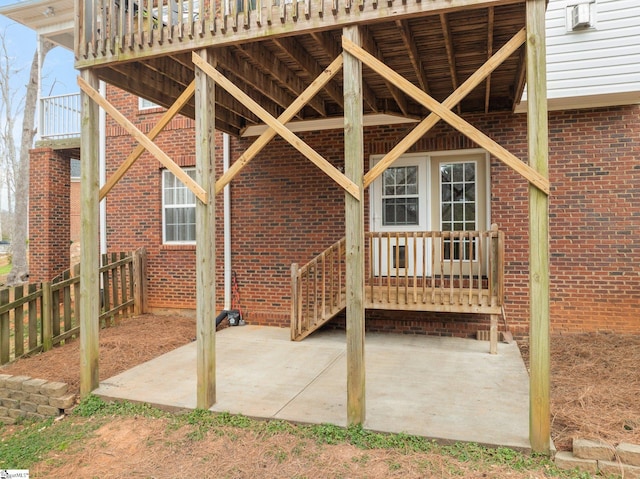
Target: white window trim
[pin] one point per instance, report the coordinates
(375, 194)
(164, 209)
(426, 223)
(144, 104)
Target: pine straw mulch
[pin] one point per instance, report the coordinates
(131, 341)
(595, 384)
(595, 388)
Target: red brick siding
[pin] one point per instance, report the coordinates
(74, 204)
(49, 179)
(134, 216)
(285, 210)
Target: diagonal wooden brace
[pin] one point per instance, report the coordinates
(452, 100)
(447, 115)
(278, 127)
(286, 116)
(137, 152)
(147, 143)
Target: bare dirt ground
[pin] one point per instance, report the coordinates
(595, 391)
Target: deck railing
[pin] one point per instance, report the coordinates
(442, 271)
(60, 117)
(106, 29)
(38, 316)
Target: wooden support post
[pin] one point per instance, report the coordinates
(538, 143)
(493, 335)
(90, 239)
(205, 238)
(354, 222)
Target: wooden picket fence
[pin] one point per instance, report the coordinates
(39, 316)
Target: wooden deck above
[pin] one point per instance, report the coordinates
(273, 50)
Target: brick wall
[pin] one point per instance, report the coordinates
(74, 202)
(285, 210)
(49, 179)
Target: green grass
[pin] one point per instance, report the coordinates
(5, 269)
(33, 442)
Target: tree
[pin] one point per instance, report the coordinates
(19, 161)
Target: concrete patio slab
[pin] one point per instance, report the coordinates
(443, 388)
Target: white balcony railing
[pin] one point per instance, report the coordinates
(60, 117)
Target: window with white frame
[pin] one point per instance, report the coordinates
(400, 196)
(144, 104)
(440, 191)
(458, 205)
(178, 209)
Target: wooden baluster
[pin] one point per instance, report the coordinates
(245, 13)
(462, 235)
(258, 13)
(397, 262)
(323, 296)
(406, 268)
(299, 306)
(415, 267)
(480, 259)
(433, 267)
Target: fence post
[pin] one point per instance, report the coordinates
(140, 280)
(47, 317)
(4, 328)
(76, 295)
(294, 299)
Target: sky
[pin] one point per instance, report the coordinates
(59, 76)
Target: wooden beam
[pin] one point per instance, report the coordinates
(520, 80)
(414, 55)
(205, 238)
(487, 90)
(89, 306)
(118, 77)
(257, 80)
(282, 130)
(370, 44)
(425, 125)
(448, 43)
(296, 52)
(271, 65)
(354, 222)
(332, 49)
(538, 143)
(135, 154)
(288, 114)
(142, 139)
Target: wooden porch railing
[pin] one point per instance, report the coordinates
(108, 29)
(35, 317)
(440, 271)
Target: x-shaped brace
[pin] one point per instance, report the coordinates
(443, 111)
(146, 142)
(276, 126)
